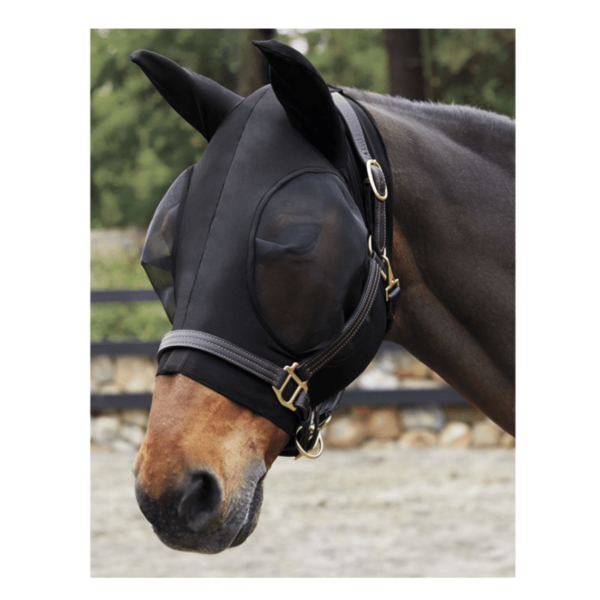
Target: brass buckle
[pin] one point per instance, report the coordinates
(374, 163)
(392, 283)
(390, 275)
(302, 385)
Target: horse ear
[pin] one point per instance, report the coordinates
(202, 102)
(306, 99)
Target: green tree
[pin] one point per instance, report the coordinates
(348, 57)
(462, 66)
(405, 64)
(471, 66)
(254, 69)
(138, 143)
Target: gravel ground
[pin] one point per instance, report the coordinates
(369, 512)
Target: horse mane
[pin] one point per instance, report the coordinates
(447, 117)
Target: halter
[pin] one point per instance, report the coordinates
(289, 383)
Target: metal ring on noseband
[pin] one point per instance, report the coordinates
(318, 441)
(303, 452)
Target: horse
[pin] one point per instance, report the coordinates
(266, 248)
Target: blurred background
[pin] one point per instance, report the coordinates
(431, 479)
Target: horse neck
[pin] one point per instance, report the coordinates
(454, 248)
(467, 150)
(453, 170)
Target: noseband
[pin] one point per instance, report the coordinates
(289, 384)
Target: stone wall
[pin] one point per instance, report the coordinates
(122, 374)
(351, 427)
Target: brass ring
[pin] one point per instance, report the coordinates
(326, 422)
(374, 163)
(303, 452)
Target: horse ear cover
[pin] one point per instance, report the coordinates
(202, 102)
(306, 99)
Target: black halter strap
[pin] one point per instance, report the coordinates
(290, 383)
(377, 191)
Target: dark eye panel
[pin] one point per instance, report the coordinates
(306, 265)
(290, 238)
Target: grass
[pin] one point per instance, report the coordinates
(117, 321)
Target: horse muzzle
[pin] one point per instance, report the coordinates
(197, 517)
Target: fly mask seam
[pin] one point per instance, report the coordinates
(215, 212)
(178, 228)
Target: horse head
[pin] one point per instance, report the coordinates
(262, 257)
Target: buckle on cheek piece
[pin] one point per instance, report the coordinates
(393, 288)
(373, 164)
(392, 282)
(308, 435)
(302, 386)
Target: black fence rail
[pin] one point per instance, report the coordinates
(123, 296)
(442, 396)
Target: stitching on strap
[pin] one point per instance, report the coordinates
(342, 342)
(241, 351)
(312, 366)
(201, 335)
(226, 357)
(197, 341)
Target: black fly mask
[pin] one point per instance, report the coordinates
(269, 255)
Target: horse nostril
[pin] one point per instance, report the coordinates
(201, 500)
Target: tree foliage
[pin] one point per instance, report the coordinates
(139, 144)
(350, 57)
(471, 66)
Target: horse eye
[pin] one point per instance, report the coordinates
(291, 238)
(301, 238)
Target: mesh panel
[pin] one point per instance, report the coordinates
(158, 247)
(310, 260)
